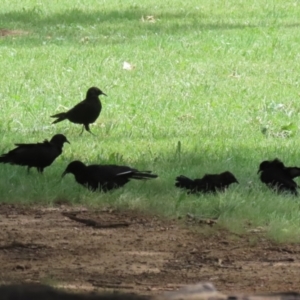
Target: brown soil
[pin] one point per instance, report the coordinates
(141, 254)
(8, 32)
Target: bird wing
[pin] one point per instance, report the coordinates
(39, 154)
(210, 182)
(80, 111)
(277, 177)
(109, 172)
(105, 176)
(23, 145)
(125, 173)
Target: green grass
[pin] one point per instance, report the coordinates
(222, 78)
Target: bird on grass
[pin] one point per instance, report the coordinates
(85, 112)
(38, 155)
(279, 177)
(209, 183)
(104, 177)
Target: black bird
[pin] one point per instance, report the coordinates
(104, 177)
(85, 112)
(39, 155)
(208, 183)
(279, 177)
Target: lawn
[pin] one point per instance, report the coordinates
(215, 87)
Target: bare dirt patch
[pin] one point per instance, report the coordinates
(9, 32)
(147, 255)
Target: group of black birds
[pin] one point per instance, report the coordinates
(107, 177)
(273, 173)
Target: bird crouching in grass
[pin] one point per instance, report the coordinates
(38, 155)
(105, 177)
(85, 112)
(278, 177)
(209, 183)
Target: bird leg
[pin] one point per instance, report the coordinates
(40, 170)
(87, 128)
(81, 130)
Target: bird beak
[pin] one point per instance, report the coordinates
(237, 181)
(259, 170)
(104, 94)
(68, 142)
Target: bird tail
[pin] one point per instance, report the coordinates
(143, 175)
(293, 171)
(184, 182)
(4, 159)
(60, 117)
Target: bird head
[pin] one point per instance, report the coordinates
(266, 164)
(74, 167)
(229, 178)
(59, 139)
(94, 91)
(263, 166)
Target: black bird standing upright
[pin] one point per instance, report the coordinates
(39, 155)
(85, 112)
(279, 177)
(104, 177)
(208, 183)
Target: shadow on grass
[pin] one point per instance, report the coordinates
(111, 21)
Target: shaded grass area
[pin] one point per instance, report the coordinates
(220, 78)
